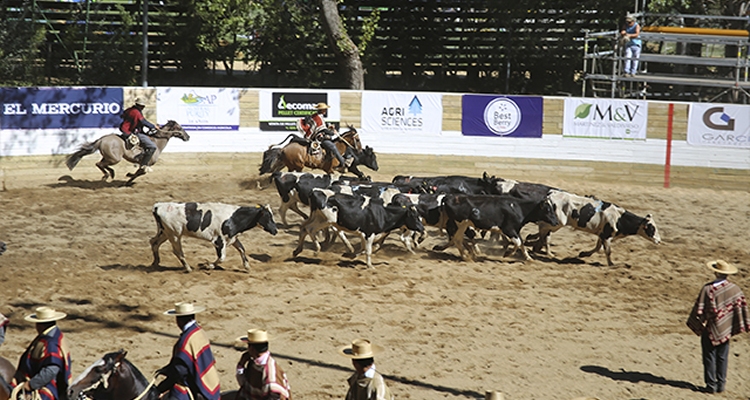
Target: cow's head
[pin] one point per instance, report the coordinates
(649, 230)
(265, 219)
(413, 219)
(548, 212)
(368, 159)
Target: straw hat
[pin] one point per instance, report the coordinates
(45, 314)
(629, 18)
(360, 349)
(139, 102)
(722, 267)
(322, 106)
(254, 336)
(184, 308)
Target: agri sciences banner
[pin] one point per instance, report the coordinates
(402, 112)
(725, 125)
(605, 118)
(214, 109)
(60, 108)
(508, 116)
(281, 109)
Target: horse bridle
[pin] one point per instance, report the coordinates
(103, 380)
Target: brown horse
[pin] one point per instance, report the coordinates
(7, 370)
(295, 156)
(113, 149)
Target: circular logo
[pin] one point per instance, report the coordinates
(502, 116)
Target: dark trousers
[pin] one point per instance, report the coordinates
(331, 147)
(715, 363)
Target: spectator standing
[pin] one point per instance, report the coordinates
(366, 383)
(719, 313)
(631, 35)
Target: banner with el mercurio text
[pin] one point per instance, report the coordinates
(60, 108)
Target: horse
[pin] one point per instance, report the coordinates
(295, 156)
(113, 377)
(113, 150)
(7, 370)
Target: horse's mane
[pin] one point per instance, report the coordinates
(136, 372)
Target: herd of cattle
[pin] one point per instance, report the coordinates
(465, 208)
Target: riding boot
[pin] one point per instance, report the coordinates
(331, 147)
(146, 158)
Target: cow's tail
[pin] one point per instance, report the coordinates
(84, 150)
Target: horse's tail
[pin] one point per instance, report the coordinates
(272, 161)
(86, 149)
(291, 135)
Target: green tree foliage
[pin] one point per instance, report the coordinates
(20, 49)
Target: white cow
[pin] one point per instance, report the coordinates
(218, 223)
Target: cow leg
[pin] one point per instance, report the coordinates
(596, 248)
(518, 245)
(367, 244)
(221, 252)
(177, 250)
(156, 242)
(607, 244)
(295, 207)
(458, 241)
(237, 245)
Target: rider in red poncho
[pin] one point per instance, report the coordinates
(133, 122)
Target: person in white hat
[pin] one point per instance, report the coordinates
(366, 383)
(258, 374)
(191, 373)
(719, 313)
(132, 123)
(45, 365)
(314, 127)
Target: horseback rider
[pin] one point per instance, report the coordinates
(133, 122)
(314, 127)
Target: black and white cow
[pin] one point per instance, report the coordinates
(218, 223)
(296, 187)
(607, 221)
(441, 184)
(367, 217)
(505, 214)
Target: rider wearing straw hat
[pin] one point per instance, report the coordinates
(132, 123)
(719, 313)
(314, 128)
(365, 383)
(45, 365)
(258, 374)
(191, 373)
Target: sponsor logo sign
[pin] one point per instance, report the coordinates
(60, 108)
(725, 125)
(402, 112)
(605, 118)
(212, 109)
(280, 110)
(507, 116)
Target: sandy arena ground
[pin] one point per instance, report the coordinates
(555, 328)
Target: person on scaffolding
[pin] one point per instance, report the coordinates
(632, 43)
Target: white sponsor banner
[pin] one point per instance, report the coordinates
(280, 109)
(605, 118)
(402, 112)
(725, 125)
(199, 108)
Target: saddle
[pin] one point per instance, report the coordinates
(312, 145)
(130, 140)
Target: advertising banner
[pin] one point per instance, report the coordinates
(605, 118)
(724, 125)
(402, 112)
(281, 109)
(60, 108)
(508, 116)
(208, 109)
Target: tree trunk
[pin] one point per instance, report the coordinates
(345, 49)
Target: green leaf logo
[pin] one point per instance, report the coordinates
(282, 104)
(582, 111)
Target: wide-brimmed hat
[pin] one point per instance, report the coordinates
(722, 267)
(254, 336)
(184, 308)
(139, 102)
(45, 314)
(322, 106)
(360, 349)
(629, 18)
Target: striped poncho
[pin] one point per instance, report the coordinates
(721, 309)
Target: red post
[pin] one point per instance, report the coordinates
(668, 162)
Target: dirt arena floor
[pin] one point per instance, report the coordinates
(555, 328)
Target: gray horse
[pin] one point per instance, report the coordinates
(113, 150)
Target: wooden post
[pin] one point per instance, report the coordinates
(668, 161)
